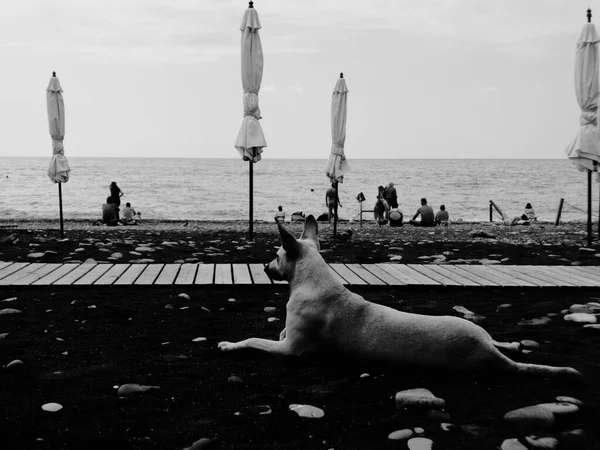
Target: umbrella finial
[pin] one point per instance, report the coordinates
(250, 4)
(54, 74)
(589, 15)
(341, 74)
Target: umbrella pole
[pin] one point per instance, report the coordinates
(251, 177)
(589, 221)
(62, 232)
(335, 211)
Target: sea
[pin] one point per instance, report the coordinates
(218, 189)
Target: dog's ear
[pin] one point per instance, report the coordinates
(311, 229)
(289, 243)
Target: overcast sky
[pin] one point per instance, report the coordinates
(427, 78)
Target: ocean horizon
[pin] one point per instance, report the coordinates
(217, 188)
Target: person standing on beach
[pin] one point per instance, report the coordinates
(332, 201)
(116, 193)
(381, 209)
(426, 213)
(390, 195)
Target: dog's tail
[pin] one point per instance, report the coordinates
(539, 369)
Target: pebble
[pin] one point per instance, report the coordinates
(512, 444)
(135, 253)
(235, 379)
(272, 319)
(566, 399)
(270, 309)
(311, 412)
(3, 335)
(169, 306)
(462, 310)
(200, 444)
(36, 255)
(400, 435)
(130, 388)
(116, 255)
(11, 299)
(396, 258)
(418, 397)
(503, 307)
(15, 363)
(578, 308)
(52, 407)
(232, 300)
(10, 311)
(199, 339)
(531, 415)
(560, 408)
(536, 322)
(447, 426)
(364, 375)
(530, 344)
(542, 442)
(581, 318)
(420, 443)
(184, 296)
(90, 261)
(79, 250)
(142, 249)
(419, 430)
(592, 326)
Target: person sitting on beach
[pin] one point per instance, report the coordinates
(332, 201)
(280, 215)
(390, 195)
(442, 216)
(128, 215)
(109, 212)
(381, 208)
(529, 213)
(426, 213)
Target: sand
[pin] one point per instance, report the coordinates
(78, 345)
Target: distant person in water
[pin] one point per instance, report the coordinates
(381, 208)
(426, 213)
(128, 214)
(529, 213)
(442, 216)
(332, 201)
(109, 212)
(280, 215)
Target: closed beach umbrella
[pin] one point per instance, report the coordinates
(584, 150)
(251, 140)
(337, 165)
(59, 168)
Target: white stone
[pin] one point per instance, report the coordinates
(530, 344)
(272, 319)
(79, 250)
(14, 363)
(419, 430)
(184, 296)
(560, 408)
(10, 311)
(581, 318)
(308, 411)
(90, 261)
(116, 255)
(462, 310)
(10, 299)
(396, 258)
(135, 253)
(535, 415)
(232, 300)
(592, 326)
(400, 435)
(512, 444)
(447, 426)
(199, 339)
(418, 397)
(36, 255)
(270, 309)
(419, 443)
(566, 399)
(52, 407)
(548, 443)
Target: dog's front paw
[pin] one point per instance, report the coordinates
(227, 346)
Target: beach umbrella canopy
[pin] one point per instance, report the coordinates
(251, 140)
(59, 168)
(337, 165)
(584, 150)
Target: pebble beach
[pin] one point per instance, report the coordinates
(91, 367)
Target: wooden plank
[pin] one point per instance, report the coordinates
(336, 275)
(519, 273)
(93, 275)
(258, 274)
(464, 272)
(347, 274)
(75, 274)
(62, 270)
(41, 272)
(593, 270)
(452, 274)
(128, 277)
(223, 274)
(365, 274)
(401, 272)
(484, 273)
(556, 273)
(205, 274)
(187, 274)
(386, 277)
(15, 267)
(430, 273)
(507, 279)
(112, 274)
(540, 273)
(581, 271)
(150, 273)
(581, 278)
(241, 274)
(25, 271)
(4, 264)
(168, 274)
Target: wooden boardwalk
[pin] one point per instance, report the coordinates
(56, 274)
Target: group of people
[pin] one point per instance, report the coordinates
(111, 210)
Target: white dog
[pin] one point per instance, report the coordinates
(324, 317)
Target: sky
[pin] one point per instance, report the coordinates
(161, 78)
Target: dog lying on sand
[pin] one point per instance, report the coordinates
(323, 317)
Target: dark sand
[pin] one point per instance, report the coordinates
(130, 337)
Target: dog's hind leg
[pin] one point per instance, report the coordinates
(274, 347)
